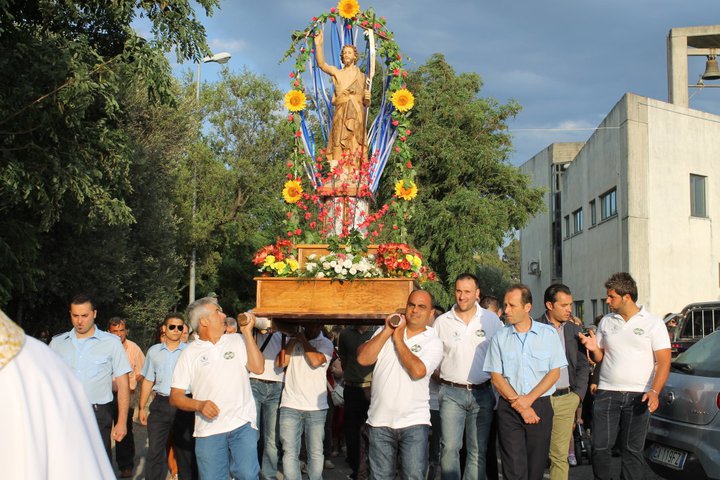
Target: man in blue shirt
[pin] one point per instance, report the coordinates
(164, 419)
(524, 363)
(96, 357)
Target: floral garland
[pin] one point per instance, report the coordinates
(305, 215)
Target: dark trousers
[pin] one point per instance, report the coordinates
(524, 448)
(104, 418)
(357, 403)
(124, 449)
(165, 421)
(491, 464)
(625, 417)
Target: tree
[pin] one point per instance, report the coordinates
(238, 170)
(470, 197)
(65, 159)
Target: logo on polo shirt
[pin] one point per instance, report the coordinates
(204, 360)
(480, 333)
(638, 331)
(415, 348)
(229, 355)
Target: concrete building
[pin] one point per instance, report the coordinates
(641, 195)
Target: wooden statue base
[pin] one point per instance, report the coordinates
(307, 300)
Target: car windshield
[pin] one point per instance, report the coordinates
(701, 359)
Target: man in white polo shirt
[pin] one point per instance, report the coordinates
(466, 398)
(215, 369)
(634, 348)
(304, 401)
(399, 416)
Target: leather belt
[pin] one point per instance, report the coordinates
(466, 386)
(561, 391)
(358, 384)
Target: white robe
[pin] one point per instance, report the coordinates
(48, 427)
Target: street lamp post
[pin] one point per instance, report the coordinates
(220, 58)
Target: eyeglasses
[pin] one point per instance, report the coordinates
(173, 327)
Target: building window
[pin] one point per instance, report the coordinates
(593, 213)
(698, 206)
(580, 310)
(606, 307)
(577, 221)
(594, 309)
(608, 204)
(567, 226)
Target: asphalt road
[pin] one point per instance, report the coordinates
(341, 470)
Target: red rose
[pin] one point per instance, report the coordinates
(292, 74)
(408, 164)
(395, 123)
(298, 231)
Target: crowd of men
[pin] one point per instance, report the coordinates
(426, 392)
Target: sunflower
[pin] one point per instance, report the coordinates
(295, 100)
(292, 191)
(348, 8)
(402, 99)
(406, 189)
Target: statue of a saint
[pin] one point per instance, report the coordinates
(347, 138)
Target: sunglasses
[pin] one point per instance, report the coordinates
(173, 327)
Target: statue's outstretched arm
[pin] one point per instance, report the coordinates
(320, 55)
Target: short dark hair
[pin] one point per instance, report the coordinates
(489, 301)
(170, 316)
(81, 298)
(552, 291)
(623, 284)
(116, 321)
(525, 294)
(468, 276)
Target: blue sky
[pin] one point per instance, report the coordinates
(567, 62)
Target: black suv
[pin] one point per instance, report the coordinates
(696, 321)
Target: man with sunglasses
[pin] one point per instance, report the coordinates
(166, 420)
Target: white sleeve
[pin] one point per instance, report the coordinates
(181, 377)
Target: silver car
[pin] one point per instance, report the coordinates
(683, 440)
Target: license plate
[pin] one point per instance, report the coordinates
(667, 456)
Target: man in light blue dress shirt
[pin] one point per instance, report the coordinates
(165, 420)
(524, 362)
(96, 357)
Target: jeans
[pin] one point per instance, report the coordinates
(623, 414)
(471, 411)
(292, 423)
(267, 403)
(411, 443)
(434, 445)
(231, 454)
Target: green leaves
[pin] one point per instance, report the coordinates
(470, 199)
